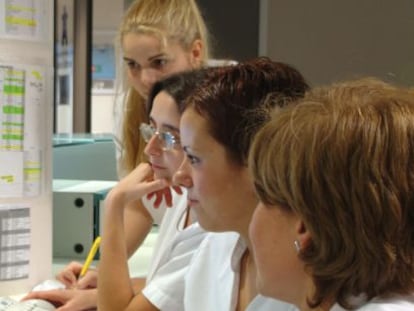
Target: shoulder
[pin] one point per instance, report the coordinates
(216, 241)
(216, 250)
(269, 304)
(397, 303)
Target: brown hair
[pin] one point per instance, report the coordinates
(343, 160)
(179, 86)
(232, 99)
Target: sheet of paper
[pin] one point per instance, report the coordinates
(32, 173)
(12, 99)
(15, 230)
(11, 174)
(24, 19)
(22, 99)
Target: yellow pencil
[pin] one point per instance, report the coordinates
(91, 255)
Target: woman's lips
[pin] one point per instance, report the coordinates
(157, 167)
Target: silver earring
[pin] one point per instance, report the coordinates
(297, 246)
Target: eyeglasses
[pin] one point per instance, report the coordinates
(167, 140)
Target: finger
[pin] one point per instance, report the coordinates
(74, 266)
(67, 277)
(146, 167)
(51, 295)
(153, 186)
(177, 189)
(168, 197)
(69, 274)
(158, 199)
(88, 281)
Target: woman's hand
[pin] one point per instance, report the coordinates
(164, 193)
(68, 299)
(136, 184)
(70, 274)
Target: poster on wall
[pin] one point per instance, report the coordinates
(103, 67)
(24, 19)
(22, 98)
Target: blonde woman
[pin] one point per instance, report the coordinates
(156, 38)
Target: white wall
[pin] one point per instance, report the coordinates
(102, 112)
(333, 40)
(107, 15)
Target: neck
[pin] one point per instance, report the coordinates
(326, 304)
(322, 307)
(247, 285)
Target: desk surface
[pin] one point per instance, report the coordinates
(64, 139)
(82, 186)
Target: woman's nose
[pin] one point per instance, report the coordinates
(182, 176)
(153, 147)
(148, 77)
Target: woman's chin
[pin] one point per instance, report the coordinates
(162, 175)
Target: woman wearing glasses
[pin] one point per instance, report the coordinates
(175, 246)
(156, 39)
(162, 289)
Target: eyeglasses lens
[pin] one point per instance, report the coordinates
(166, 139)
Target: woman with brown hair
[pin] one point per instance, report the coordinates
(335, 177)
(217, 128)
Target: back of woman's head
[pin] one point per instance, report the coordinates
(170, 20)
(232, 100)
(343, 160)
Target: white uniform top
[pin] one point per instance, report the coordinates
(157, 214)
(172, 254)
(396, 303)
(212, 281)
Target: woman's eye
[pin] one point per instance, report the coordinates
(192, 159)
(132, 65)
(159, 63)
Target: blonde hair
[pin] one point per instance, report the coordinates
(177, 21)
(343, 160)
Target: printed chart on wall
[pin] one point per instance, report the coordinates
(23, 19)
(22, 98)
(14, 242)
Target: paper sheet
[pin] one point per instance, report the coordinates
(15, 230)
(22, 98)
(23, 19)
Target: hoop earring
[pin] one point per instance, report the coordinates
(297, 246)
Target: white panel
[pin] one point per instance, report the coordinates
(26, 45)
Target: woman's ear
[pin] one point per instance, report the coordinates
(303, 236)
(196, 53)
